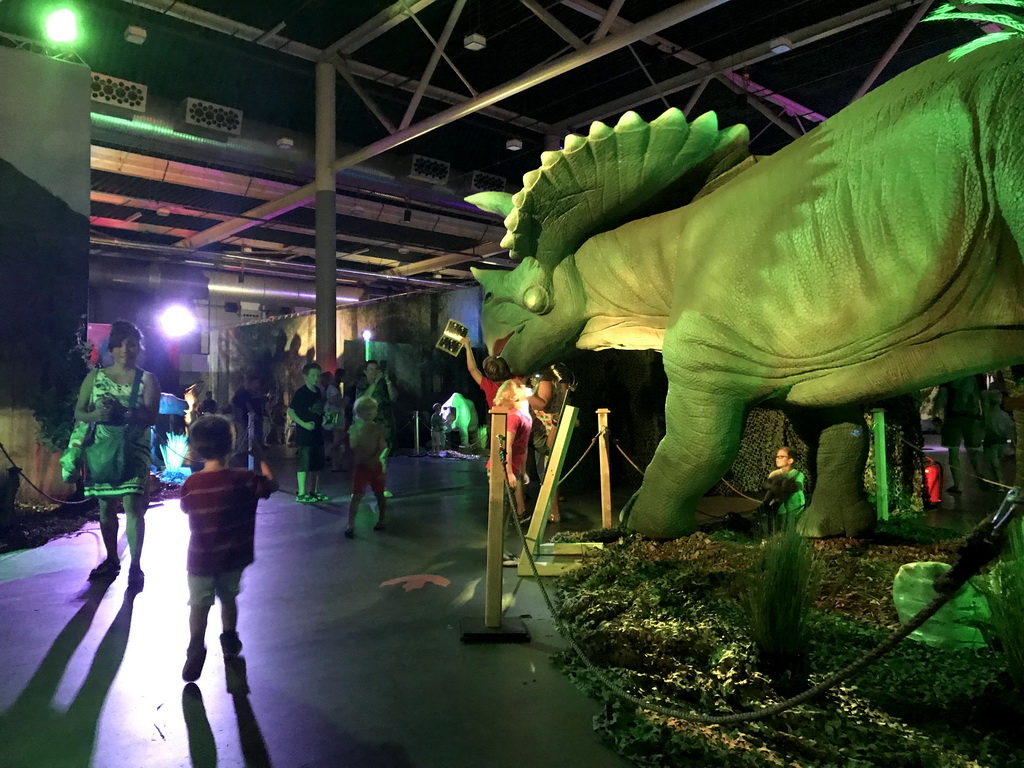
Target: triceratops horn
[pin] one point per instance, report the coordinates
(488, 278)
(492, 202)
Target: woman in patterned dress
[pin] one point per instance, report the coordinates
(104, 399)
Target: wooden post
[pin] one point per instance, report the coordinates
(495, 522)
(606, 477)
(881, 470)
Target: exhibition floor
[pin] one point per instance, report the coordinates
(352, 654)
(343, 668)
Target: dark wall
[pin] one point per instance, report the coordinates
(44, 238)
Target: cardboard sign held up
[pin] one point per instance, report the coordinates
(450, 340)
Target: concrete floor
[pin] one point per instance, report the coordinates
(338, 670)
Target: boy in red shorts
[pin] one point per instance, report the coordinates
(221, 506)
(368, 442)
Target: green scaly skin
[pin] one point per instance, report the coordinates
(878, 254)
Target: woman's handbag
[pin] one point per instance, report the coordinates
(107, 459)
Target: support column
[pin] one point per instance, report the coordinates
(881, 467)
(326, 221)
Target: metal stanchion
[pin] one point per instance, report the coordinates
(881, 470)
(606, 476)
(493, 629)
(416, 433)
(250, 437)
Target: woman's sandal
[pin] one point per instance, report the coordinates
(108, 569)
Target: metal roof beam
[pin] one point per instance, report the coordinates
(343, 69)
(696, 60)
(439, 47)
(607, 20)
(887, 57)
(659, 21)
(752, 55)
(384, 21)
(199, 17)
(435, 57)
(556, 26)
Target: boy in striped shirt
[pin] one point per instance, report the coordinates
(221, 506)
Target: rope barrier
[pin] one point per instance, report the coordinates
(963, 471)
(623, 452)
(38, 490)
(968, 567)
(563, 478)
(741, 493)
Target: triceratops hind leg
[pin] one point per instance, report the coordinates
(838, 442)
(702, 436)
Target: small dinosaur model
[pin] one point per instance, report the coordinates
(874, 256)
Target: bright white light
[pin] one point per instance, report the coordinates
(62, 26)
(177, 321)
(367, 335)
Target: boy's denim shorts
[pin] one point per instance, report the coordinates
(201, 589)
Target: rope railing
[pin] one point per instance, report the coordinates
(37, 489)
(963, 471)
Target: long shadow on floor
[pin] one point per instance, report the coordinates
(201, 745)
(36, 735)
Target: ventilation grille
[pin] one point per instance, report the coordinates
(429, 170)
(118, 93)
(206, 114)
(487, 182)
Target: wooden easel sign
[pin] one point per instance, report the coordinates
(451, 339)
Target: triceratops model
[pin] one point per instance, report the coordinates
(878, 254)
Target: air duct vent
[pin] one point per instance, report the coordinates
(116, 92)
(429, 170)
(216, 117)
(487, 182)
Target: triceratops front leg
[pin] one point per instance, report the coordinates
(702, 437)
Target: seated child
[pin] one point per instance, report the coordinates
(785, 486)
(368, 442)
(221, 506)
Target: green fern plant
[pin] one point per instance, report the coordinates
(779, 596)
(1012, 24)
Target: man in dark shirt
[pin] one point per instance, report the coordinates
(307, 411)
(247, 400)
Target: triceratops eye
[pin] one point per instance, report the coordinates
(537, 299)
(488, 296)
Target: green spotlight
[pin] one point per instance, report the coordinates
(62, 26)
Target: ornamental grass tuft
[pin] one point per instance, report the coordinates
(779, 595)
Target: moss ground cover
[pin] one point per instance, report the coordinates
(666, 620)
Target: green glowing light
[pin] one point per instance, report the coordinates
(62, 26)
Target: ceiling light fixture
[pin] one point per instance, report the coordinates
(514, 145)
(474, 41)
(780, 45)
(135, 35)
(285, 143)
